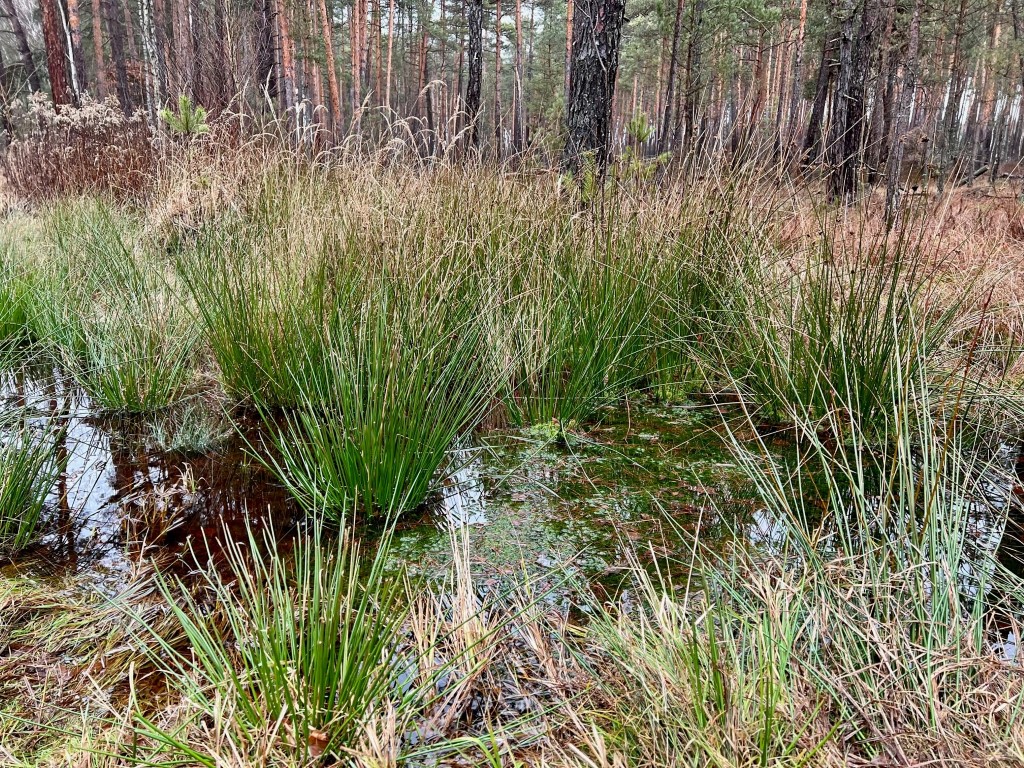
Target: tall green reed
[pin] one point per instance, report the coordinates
(574, 329)
(830, 331)
(287, 652)
(262, 312)
(29, 467)
(109, 310)
(400, 376)
(16, 288)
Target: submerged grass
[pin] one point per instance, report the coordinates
(864, 636)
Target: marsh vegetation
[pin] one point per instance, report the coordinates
(325, 403)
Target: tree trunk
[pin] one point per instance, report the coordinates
(391, 39)
(595, 62)
(670, 86)
(694, 89)
(570, 10)
(497, 79)
(894, 165)
(75, 38)
(182, 31)
(97, 49)
(116, 34)
(840, 183)
(263, 13)
(160, 24)
(475, 20)
(428, 100)
(355, 45)
(519, 109)
(224, 74)
(378, 90)
(287, 60)
(56, 63)
(815, 128)
(951, 128)
(847, 181)
(796, 96)
(332, 72)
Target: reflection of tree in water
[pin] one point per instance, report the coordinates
(114, 477)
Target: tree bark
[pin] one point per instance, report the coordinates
(815, 127)
(497, 79)
(840, 185)
(670, 86)
(796, 96)
(355, 44)
(519, 107)
(332, 72)
(570, 9)
(116, 34)
(595, 62)
(951, 127)
(846, 168)
(894, 165)
(56, 64)
(181, 29)
(391, 38)
(97, 49)
(474, 81)
(263, 13)
(694, 89)
(287, 60)
(80, 78)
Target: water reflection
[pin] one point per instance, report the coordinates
(462, 497)
(116, 484)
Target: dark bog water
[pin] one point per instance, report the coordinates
(643, 476)
(642, 479)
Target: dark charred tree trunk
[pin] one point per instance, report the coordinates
(21, 42)
(56, 62)
(841, 184)
(846, 183)
(474, 83)
(597, 27)
(263, 13)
